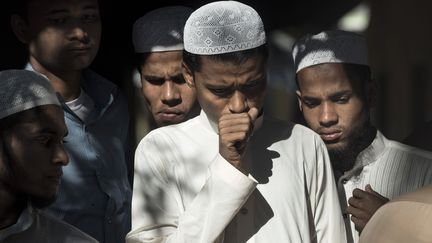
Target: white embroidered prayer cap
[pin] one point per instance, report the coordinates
(160, 30)
(21, 90)
(223, 27)
(334, 46)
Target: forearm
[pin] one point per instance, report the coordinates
(205, 219)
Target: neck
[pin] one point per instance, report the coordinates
(65, 82)
(11, 207)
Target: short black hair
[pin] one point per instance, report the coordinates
(193, 61)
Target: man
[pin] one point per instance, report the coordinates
(158, 42)
(62, 39)
(32, 155)
(231, 174)
(406, 218)
(336, 93)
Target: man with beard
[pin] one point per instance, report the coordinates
(32, 155)
(336, 93)
(63, 39)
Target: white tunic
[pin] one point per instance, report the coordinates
(184, 191)
(391, 168)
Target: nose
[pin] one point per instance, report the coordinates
(170, 94)
(328, 116)
(79, 33)
(238, 103)
(60, 156)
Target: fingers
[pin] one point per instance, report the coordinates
(234, 132)
(359, 193)
(253, 113)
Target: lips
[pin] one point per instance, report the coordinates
(170, 114)
(55, 177)
(330, 136)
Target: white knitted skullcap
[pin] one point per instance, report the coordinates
(21, 90)
(160, 30)
(335, 46)
(222, 27)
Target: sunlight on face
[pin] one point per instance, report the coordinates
(168, 97)
(63, 35)
(331, 104)
(225, 87)
(36, 153)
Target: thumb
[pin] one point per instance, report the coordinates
(253, 113)
(369, 189)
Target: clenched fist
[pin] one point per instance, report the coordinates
(234, 132)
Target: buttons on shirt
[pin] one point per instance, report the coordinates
(244, 210)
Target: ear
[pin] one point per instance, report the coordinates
(298, 93)
(20, 28)
(188, 75)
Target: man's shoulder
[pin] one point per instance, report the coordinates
(47, 223)
(181, 131)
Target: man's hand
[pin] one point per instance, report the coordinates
(363, 204)
(234, 132)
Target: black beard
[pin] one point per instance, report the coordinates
(343, 159)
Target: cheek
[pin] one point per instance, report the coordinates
(353, 116)
(188, 95)
(213, 106)
(311, 117)
(151, 94)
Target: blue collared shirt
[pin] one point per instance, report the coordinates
(95, 194)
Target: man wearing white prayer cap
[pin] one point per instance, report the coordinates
(335, 94)
(158, 42)
(232, 174)
(32, 155)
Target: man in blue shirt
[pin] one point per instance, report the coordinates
(63, 39)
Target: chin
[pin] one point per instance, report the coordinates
(42, 202)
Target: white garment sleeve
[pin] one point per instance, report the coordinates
(329, 224)
(158, 210)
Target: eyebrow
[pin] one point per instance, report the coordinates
(50, 131)
(152, 77)
(340, 93)
(60, 11)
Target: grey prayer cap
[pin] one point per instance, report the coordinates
(334, 46)
(160, 30)
(223, 27)
(21, 90)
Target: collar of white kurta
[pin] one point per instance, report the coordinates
(212, 126)
(23, 223)
(369, 155)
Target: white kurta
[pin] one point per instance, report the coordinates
(391, 168)
(184, 191)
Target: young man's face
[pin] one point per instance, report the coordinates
(62, 35)
(332, 105)
(33, 154)
(229, 88)
(169, 99)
